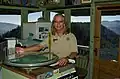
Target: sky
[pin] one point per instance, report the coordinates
(16, 19)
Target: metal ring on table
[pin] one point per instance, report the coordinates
(8, 62)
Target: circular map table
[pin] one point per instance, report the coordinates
(35, 59)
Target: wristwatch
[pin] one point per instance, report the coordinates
(70, 60)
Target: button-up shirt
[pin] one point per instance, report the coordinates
(63, 45)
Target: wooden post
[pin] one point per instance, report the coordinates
(67, 13)
(119, 53)
(24, 18)
(46, 15)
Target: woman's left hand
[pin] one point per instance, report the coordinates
(63, 61)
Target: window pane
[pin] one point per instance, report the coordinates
(110, 31)
(33, 17)
(80, 26)
(9, 27)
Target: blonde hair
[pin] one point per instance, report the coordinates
(66, 25)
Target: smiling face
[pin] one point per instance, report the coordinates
(59, 24)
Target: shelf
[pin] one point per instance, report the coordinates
(68, 7)
(16, 10)
(76, 10)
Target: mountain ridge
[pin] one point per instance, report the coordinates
(5, 27)
(112, 25)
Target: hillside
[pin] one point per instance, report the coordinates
(5, 27)
(82, 33)
(112, 25)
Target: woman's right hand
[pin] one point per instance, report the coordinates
(19, 51)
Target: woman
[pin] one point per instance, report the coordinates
(63, 43)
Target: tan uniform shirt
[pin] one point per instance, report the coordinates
(62, 46)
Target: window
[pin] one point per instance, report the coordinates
(80, 26)
(33, 17)
(9, 27)
(109, 43)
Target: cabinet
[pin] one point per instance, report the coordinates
(7, 74)
(66, 72)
